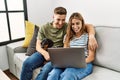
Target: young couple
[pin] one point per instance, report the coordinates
(75, 33)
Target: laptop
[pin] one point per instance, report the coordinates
(67, 57)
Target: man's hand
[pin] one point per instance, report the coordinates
(46, 56)
(92, 44)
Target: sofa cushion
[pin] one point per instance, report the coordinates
(108, 53)
(20, 49)
(32, 46)
(100, 73)
(29, 30)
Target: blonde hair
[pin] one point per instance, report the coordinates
(70, 32)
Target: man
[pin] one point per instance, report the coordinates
(54, 31)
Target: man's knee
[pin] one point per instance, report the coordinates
(26, 63)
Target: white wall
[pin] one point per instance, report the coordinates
(3, 58)
(40, 11)
(97, 12)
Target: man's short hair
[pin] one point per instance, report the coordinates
(60, 10)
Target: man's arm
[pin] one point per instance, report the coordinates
(90, 29)
(92, 44)
(41, 50)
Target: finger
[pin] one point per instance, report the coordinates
(90, 47)
(95, 47)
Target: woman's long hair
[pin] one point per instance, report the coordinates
(70, 33)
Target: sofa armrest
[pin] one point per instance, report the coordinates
(20, 49)
(13, 48)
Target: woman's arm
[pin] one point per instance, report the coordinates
(92, 44)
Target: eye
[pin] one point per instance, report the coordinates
(77, 23)
(73, 24)
(63, 20)
(58, 19)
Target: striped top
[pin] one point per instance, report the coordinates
(81, 41)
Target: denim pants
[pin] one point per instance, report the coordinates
(44, 71)
(70, 73)
(32, 62)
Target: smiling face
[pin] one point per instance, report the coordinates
(58, 20)
(76, 25)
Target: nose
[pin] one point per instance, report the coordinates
(74, 25)
(60, 22)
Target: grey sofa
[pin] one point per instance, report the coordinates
(106, 64)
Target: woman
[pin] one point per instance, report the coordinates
(76, 36)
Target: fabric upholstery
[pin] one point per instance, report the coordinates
(20, 49)
(29, 30)
(108, 53)
(32, 46)
(11, 51)
(100, 73)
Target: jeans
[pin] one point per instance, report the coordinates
(44, 71)
(32, 62)
(70, 73)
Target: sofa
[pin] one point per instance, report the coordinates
(106, 63)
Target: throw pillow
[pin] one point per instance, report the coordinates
(32, 46)
(28, 33)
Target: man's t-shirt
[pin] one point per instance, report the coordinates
(56, 35)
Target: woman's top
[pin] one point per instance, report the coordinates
(81, 41)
